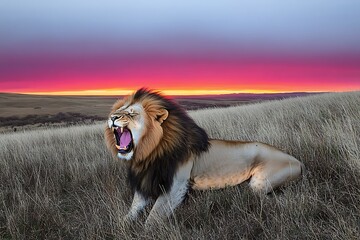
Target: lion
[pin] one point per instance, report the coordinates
(167, 153)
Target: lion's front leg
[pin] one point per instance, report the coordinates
(166, 203)
(138, 204)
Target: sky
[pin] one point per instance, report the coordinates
(180, 47)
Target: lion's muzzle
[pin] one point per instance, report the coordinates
(124, 140)
(122, 134)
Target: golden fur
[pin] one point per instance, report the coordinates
(154, 115)
(229, 163)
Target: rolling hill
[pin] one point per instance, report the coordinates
(62, 183)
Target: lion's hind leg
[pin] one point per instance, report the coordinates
(275, 173)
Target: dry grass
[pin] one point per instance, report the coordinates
(63, 184)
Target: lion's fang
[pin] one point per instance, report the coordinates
(120, 148)
(122, 129)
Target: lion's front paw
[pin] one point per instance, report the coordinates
(149, 224)
(128, 219)
(153, 221)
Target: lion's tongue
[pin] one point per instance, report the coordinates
(125, 138)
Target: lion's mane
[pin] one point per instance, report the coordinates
(152, 169)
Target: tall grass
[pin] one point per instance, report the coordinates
(63, 183)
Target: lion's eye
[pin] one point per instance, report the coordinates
(133, 114)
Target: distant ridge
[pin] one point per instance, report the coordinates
(252, 96)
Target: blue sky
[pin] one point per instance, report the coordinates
(317, 25)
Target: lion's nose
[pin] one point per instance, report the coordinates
(113, 118)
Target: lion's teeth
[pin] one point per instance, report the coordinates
(121, 148)
(122, 129)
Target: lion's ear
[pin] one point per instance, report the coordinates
(162, 115)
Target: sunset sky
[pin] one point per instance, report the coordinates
(180, 47)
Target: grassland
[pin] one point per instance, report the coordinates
(63, 184)
(24, 112)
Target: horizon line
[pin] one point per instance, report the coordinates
(170, 92)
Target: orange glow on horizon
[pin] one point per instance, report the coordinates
(171, 92)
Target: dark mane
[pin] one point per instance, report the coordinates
(181, 139)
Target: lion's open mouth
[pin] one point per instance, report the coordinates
(123, 137)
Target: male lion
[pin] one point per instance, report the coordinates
(167, 152)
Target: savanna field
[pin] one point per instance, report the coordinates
(62, 183)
